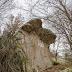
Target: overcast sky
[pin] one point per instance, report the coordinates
(25, 5)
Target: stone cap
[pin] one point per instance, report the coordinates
(46, 35)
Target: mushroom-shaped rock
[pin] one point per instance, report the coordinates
(36, 43)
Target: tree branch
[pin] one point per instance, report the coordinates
(66, 12)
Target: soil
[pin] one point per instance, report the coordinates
(56, 68)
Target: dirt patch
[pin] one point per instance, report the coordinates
(56, 68)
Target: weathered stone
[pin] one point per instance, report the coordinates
(37, 52)
(28, 28)
(36, 23)
(35, 46)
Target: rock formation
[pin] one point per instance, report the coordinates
(36, 43)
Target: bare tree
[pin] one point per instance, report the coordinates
(58, 13)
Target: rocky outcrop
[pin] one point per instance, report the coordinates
(36, 42)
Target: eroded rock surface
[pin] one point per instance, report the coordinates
(36, 43)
